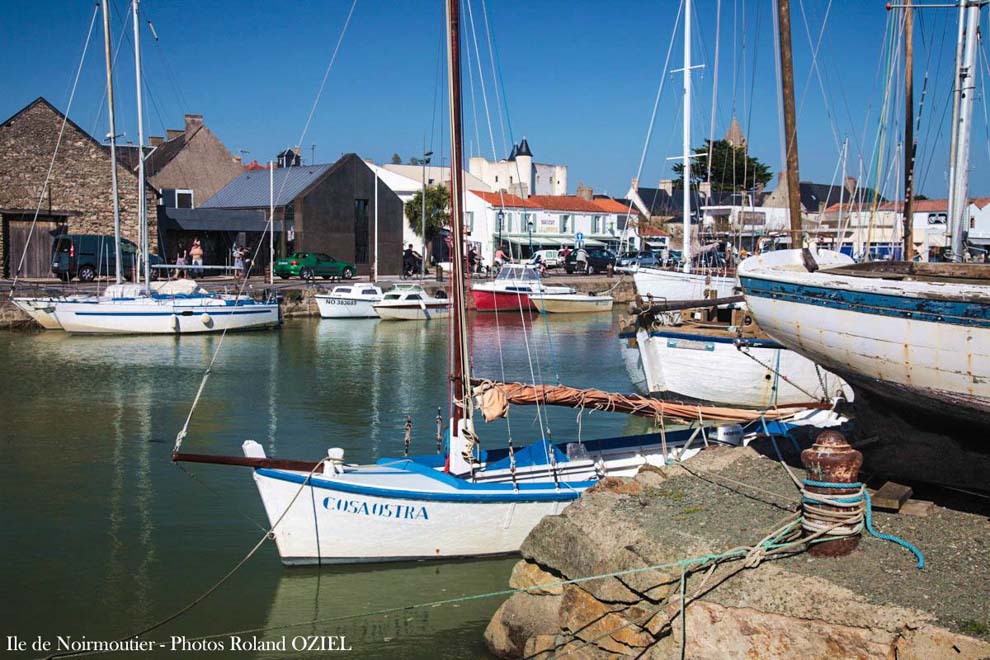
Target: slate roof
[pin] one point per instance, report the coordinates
(523, 149)
(813, 194)
(661, 203)
(200, 219)
(250, 190)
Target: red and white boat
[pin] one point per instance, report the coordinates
(511, 288)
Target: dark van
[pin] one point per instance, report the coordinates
(88, 256)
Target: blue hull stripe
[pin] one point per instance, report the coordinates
(220, 312)
(953, 312)
(535, 493)
(746, 342)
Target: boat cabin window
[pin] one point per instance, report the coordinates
(343, 289)
(392, 296)
(517, 273)
(414, 296)
(369, 292)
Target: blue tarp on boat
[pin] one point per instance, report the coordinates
(537, 453)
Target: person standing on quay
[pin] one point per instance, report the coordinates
(196, 253)
(180, 261)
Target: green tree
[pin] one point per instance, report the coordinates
(437, 211)
(396, 159)
(733, 169)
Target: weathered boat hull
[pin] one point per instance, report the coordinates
(491, 301)
(919, 345)
(673, 365)
(676, 285)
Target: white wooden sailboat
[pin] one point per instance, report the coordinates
(465, 501)
(917, 336)
(684, 285)
(570, 303)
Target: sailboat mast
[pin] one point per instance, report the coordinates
(790, 119)
(908, 221)
(113, 142)
(460, 371)
(142, 211)
(959, 195)
(686, 139)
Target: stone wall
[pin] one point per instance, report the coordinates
(80, 185)
(873, 603)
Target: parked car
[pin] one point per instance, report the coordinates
(550, 258)
(309, 265)
(636, 260)
(599, 259)
(88, 256)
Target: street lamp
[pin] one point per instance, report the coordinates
(529, 226)
(422, 261)
(499, 219)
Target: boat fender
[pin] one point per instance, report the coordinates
(206, 319)
(441, 294)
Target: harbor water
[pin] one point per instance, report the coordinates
(103, 535)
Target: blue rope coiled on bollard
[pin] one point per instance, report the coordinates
(851, 500)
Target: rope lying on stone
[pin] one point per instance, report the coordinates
(493, 399)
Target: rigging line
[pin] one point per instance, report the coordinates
(58, 143)
(436, 96)
(474, 107)
(481, 80)
(929, 152)
(162, 53)
(184, 431)
(816, 69)
(495, 76)
(711, 132)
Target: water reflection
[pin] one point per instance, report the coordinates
(307, 595)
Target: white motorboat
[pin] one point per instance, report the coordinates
(570, 303)
(661, 284)
(411, 304)
(511, 289)
(354, 301)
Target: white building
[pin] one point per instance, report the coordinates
(519, 174)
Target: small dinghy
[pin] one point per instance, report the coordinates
(570, 303)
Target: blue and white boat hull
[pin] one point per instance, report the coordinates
(156, 315)
(921, 345)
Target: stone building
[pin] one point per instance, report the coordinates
(519, 174)
(190, 165)
(78, 197)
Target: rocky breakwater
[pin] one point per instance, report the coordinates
(874, 603)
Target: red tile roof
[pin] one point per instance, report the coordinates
(610, 205)
(565, 203)
(505, 199)
(646, 230)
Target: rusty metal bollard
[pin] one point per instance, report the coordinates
(408, 439)
(832, 459)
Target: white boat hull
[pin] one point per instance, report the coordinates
(156, 316)
(411, 312)
(401, 510)
(570, 304)
(670, 365)
(41, 311)
(332, 307)
(907, 340)
(676, 285)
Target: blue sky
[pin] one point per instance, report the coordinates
(579, 79)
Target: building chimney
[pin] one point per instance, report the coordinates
(172, 133)
(851, 185)
(667, 185)
(155, 140)
(585, 192)
(193, 124)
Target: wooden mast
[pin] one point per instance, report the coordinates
(461, 429)
(790, 119)
(909, 145)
